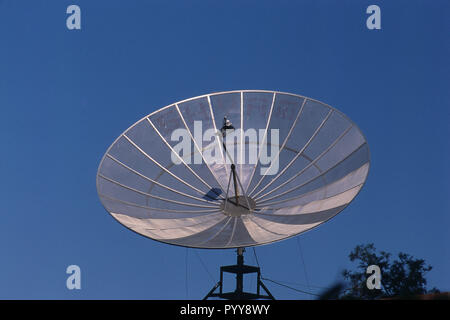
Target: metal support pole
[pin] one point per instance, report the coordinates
(210, 293)
(236, 193)
(240, 273)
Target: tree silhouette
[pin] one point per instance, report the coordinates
(402, 278)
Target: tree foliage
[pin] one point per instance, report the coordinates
(403, 277)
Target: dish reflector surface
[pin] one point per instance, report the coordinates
(306, 165)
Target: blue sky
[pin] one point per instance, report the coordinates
(65, 95)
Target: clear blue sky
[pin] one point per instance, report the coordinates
(66, 95)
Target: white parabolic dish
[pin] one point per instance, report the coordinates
(319, 163)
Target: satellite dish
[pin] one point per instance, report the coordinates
(232, 170)
(296, 163)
